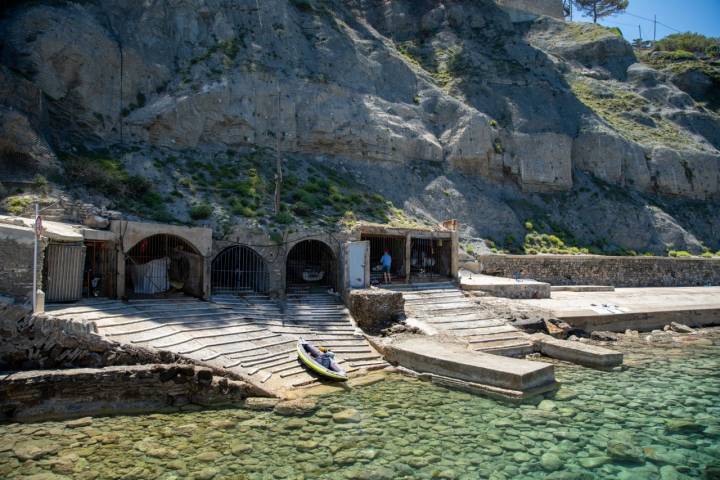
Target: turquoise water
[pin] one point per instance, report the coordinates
(657, 419)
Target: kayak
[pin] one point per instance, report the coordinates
(308, 355)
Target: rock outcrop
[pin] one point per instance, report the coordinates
(467, 89)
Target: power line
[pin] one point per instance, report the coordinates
(651, 20)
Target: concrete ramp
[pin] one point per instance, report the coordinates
(452, 364)
(444, 308)
(250, 336)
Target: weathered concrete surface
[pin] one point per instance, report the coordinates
(504, 287)
(576, 352)
(446, 357)
(582, 288)
(375, 309)
(44, 394)
(444, 308)
(250, 338)
(641, 309)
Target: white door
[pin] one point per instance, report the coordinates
(357, 255)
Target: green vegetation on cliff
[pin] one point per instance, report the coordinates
(625, 111)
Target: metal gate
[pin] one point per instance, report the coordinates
(63, 271)
(239, 269)
(100, 272)
(429, 259)
(311, 263)
(161, 263)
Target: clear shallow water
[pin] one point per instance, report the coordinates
(658, 419)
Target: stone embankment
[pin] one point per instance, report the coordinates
(45, 341)
(46, 394)
(602, 270)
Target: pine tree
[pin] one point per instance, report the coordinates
(601, 8)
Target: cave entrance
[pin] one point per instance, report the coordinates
(311, 264)
(239, 269)
(162, 264)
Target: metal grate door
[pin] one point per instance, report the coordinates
(64, 264)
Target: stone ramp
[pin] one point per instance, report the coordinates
(444, 308)
(250, 336)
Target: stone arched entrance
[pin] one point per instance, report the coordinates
(162, 263)
(238, 269)
(311, 263)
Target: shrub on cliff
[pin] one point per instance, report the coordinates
(689, 42)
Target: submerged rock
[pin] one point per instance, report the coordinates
(550, 462)
(298, 406)
(34, 449)
(261, 403)
(683, 425)
(347, 416)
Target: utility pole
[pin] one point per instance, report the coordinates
(36, 229)
(640, 30)
(655, 29)
(278, 160)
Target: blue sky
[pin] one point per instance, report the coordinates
(701, 16)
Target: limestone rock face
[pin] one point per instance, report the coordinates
(545, 161)
(685, 173)
(24, 151)
(587, 44)
(451, 110)
(80, 66)
(608, 156)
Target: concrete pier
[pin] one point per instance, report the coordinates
(642, 309)
(505, 287)
(579, 353)
(451, 363)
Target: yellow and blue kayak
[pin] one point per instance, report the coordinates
(307, 354)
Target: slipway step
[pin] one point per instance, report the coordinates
(429, 355)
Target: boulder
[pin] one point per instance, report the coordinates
(642, 75)
(96, 221)
(680, 328)
(604, 336)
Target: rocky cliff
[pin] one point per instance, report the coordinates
(408, 110)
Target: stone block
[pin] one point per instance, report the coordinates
(375, 309)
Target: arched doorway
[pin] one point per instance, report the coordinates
(311, 263)
(163, 263)
(239, 269)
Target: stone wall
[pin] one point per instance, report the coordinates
(39, 342)
(16, 259)
(375, 309)
(46, 394)
(601, 270)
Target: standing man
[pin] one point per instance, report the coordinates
(386, 262)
